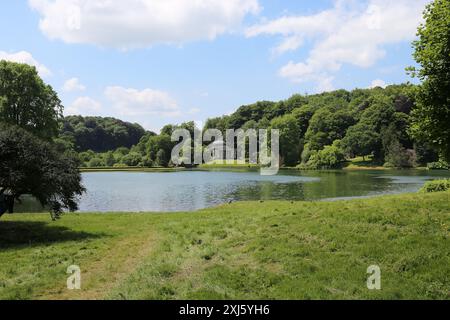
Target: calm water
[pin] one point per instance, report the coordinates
(181, 191)
(191, 190)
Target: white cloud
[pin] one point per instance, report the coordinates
(132, 102)
(194, 111)
(25, 57)
(351, 32)
(73, 84)
(378, 83)
(140, 23)
(288, 44)
(84, 106)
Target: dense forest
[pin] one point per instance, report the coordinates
(316, 131)
(99, 134)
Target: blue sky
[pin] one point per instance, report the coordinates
(158, 62)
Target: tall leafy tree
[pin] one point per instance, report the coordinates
(26, 101)
(361, 140)
(289, 138)
(432, 52)
(29, 165)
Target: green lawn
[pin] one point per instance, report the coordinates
(248, 250)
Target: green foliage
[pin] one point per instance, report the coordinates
(31, 166)
(96, 162)
(26, 101)
(133, 159)
(439, 165)
(159, 143)
(431, 117)
(161, 159)
(330, 157)
(110, 160)
(370, 122)
(290, 138)
(252, 112)
(328, 125)
(282, 250)
(100, 134)
(361, 140)
(395, 154)
(436, 186)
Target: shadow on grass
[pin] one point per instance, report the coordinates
(15, 234)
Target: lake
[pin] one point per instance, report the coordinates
(192, 190)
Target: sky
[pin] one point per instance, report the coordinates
(157, 62)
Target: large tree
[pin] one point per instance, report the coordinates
(432, 52)
(361, 140)
(290, 138)
(29, 165)
(26, 101)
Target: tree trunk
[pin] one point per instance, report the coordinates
(10, 204)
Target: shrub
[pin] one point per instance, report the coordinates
(436, 186)
(95, 163)
(330, 157)
(440, 165)
(132, 159)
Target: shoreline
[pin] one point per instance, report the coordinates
(247, 167)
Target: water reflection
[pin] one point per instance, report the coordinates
(191, 190)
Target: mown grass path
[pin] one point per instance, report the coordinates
(247, 250)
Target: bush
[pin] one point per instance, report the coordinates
(399, 157)
(440, 165)
(436, 186)
(146, 162)
(132, 159)
(330, 157)
(95, 163)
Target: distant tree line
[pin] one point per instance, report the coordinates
(321, 131)
(99, 134)
(316, 131)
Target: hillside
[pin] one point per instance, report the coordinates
(316, 131)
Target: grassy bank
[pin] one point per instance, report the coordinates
(130, 169)
(359, 163)
(250, 250)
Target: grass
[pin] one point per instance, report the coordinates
(246, 250)
(226, 165)
(367, 163)
(361, 163)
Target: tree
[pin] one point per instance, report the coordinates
(330, 157)
(395, 153)
(303, 116)
(157, 143)
(96, 163)
(161, 158)
(26, 101)
(361, 140)
(326, 126)
(133, 159)
(289, 138)
(32, 166)
(109, 159)
(431, 117)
